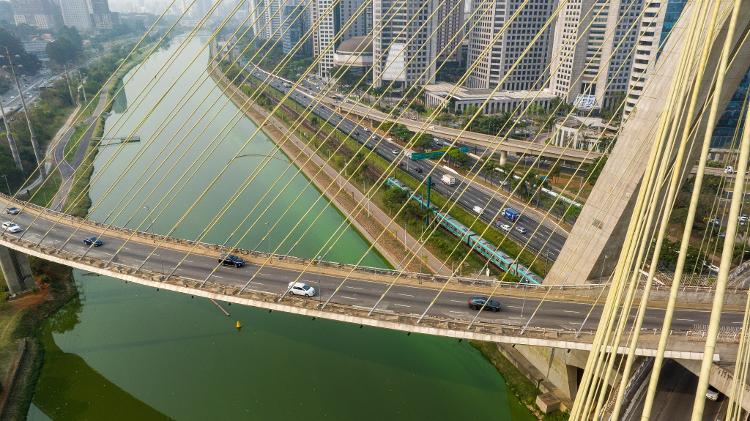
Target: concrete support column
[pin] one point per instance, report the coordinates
(503, 157)
(16, 270)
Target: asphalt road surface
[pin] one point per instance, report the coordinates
(355, 292)
(542, 236)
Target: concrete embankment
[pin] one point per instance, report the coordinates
(396, 245)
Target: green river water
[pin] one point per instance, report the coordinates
(124, 351)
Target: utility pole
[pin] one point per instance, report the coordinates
(37, 155)
(11, 141)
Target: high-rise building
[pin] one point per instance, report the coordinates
(324, 32)
(357, 16)
(658, 19)
(496, 52)
(76, 14)
(257, 18)
(450, 20)
(40, 14)
(100, 14)
(295, 23)
(404, 43)
(584, 63)
(6, 12)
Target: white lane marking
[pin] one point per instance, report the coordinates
(218, 276)
(401, 305)
(404, 295)
(456, 312)
(736, 323)
(575, 323)
(457, 301)
(513, 306)
(684, 320)
(347, 297)
(354, 288)
(572, 311)
(361, 307)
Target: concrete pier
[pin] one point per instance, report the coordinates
(16, 270)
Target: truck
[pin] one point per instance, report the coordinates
(449, 179)
(409, 154)
(511, 214)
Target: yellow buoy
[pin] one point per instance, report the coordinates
(238, 325)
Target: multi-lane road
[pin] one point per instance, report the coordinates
(68, 233)
(543, 235)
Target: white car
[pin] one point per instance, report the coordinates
(478, 210)
(11, 227)
(521, 229)
(301, 288)
(505, 227)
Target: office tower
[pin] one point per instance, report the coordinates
(323, 35)
(357, 16)
(404, 44)
(257, 19)
(585, 66)
(450, 20)
(295, 23)
(40, 14)
(76, 13)
(497, 51)
(101, 15)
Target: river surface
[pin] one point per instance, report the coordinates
(123, 351)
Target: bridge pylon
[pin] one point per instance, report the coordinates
(16, 270)
(593, 246)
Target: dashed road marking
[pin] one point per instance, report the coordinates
(401, 305)
(517, 307)
(347, 297)
(572, 311)
(354, 288)
(457, 301)
(684, 320)
(404, 295)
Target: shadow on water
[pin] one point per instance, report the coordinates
(66, 379)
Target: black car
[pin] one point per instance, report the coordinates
(13, 211)
(476, 303)
(231, 260)
(418, 170)
(93, 241)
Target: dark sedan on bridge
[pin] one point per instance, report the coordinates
(93, 241)
(477, 303)
(231, 260)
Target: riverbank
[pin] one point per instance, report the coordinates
(396, 246)
(20, 365)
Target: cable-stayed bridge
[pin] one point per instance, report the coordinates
(627, 215)
(566, 321)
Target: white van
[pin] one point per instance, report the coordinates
(478, 210)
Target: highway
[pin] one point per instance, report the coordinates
(545, 238)
(357, 292)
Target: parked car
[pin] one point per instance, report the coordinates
(478, 210)
(12, 211)
(302, 289)
(93, 241)
(480, 302)
(231, 260)
(521, 229)
(504, 227)
(11, 227)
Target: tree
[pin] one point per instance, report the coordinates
(27, 63)
(67, 48)
(554, 172)
(596, 168)
(61, 52)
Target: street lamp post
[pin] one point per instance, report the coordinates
(34, 145)
(11, 142)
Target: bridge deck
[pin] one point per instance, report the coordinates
(555, 323)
